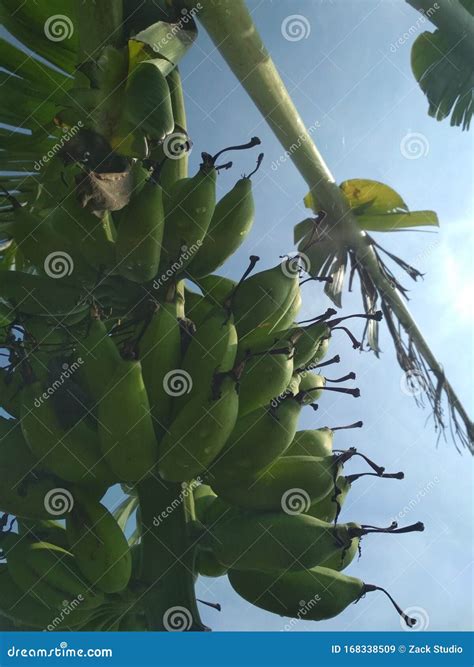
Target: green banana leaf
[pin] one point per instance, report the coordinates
(371, 197)
(445, 76)
(22, 64)
(44, 28)
(168, 41)
(393, 222)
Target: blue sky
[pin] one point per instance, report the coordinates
(347, 80)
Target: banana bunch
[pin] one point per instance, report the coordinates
(141, 366)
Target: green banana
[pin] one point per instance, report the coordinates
(160, 355)
(309, 340)
(314, 595)
(312, 386)
(208, 566)
(33, 295)
(199, 432)
(265, 301)
(91, 237)
(266, 374)
(203, 497)
(176, 167)
(232, 221)
(126, 431)
(30, 610)
(75, 454)
(197, 307)
(220, 511)
(316, 442)
(147, 101)
(140, 234)
(216, 289)
(99, 546)
(340, 561)
(189, 211)
(269, 542)
(44, 531)
(99, 357)
(212, 350)
(257, 440)
(290, 479)
(329, 507)
(24, 487)
(44, 247)
(46, 571)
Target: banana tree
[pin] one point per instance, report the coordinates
(65, 110)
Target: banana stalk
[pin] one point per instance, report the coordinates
(232, 30)
(168, 557)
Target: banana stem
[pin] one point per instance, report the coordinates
(235, 35)
(98, 24)
(167, 561)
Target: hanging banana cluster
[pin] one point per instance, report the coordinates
(120, 373)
